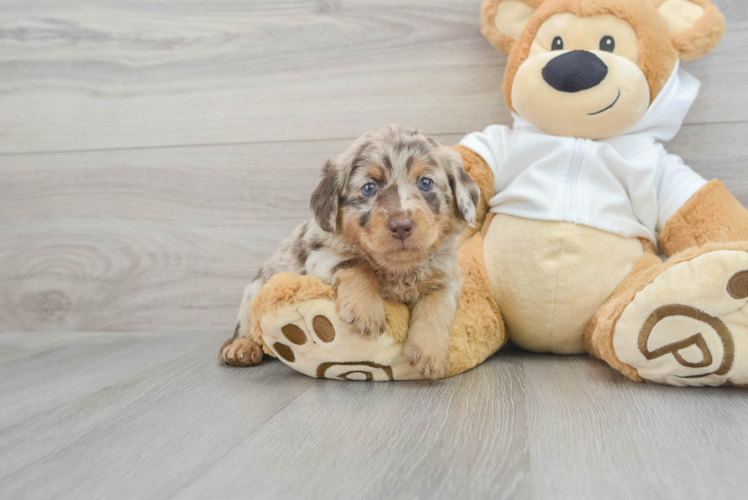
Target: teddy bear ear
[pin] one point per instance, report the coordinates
(502, 21)
(696, 26)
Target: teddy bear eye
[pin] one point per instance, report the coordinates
(608, 44)
(558, 43)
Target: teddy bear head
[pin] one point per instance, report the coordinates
(592, 68)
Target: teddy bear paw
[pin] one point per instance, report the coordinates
(311, 338)
(689, 327)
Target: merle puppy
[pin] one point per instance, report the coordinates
(387, 216)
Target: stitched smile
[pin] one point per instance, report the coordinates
(606, 109)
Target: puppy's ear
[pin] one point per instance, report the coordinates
(326, 198)
(502, 21)
(465, 191)
(696, 26)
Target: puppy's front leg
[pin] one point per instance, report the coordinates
(427, 346)
(241, 349)
(359, 302)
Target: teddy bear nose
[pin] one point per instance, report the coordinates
(575, 71)
(401, 228)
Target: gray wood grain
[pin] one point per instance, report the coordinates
(154, 153)
(81, 75)
(154, 416)
(592, 430)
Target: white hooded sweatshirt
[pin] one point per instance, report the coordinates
(626, 185)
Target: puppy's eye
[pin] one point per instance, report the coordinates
(558, 43)
(608, 44)
(369, 189)
(425, 184)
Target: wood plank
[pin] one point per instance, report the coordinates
(182, 426)
(592, 433)
(459, 437)
(73, 366)
(137, 73)
(154, 416)
(166, 239)
(124, 422)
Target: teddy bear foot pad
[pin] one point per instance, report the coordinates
(310, 338)
(689, 327)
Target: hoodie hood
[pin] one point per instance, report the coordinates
(665, 115)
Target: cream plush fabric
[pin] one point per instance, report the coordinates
(550, 278)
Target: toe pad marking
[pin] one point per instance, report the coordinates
(323, 328)
(294, 334)
(284, 352)
(737, 287)
(325, 366)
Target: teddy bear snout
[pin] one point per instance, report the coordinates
(575, 71)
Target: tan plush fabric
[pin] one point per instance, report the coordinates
(482, 175)
(501, 41)
(700, 38)
(598, 337)
(711, 221)
(282, 290)
(711, 215)
(309, 337)
(688, 327)
(478, 331)
(562, 114)
(657, 57)
(600, 333)
(550, 278)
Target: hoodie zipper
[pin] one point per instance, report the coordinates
(571, 201)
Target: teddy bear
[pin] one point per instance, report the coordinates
(590, 237)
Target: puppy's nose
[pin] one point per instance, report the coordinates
(401, 228)
(575, 71)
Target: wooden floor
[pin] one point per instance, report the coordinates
(154, 152)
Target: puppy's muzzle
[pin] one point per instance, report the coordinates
(401, 229)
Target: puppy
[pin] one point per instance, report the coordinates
(387, 216)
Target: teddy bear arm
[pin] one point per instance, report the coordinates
(478, 330)
(712, 215)
(294, 318)
(481, 173)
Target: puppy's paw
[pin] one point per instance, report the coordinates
(240, 351)
(364, 312)
(430, 359)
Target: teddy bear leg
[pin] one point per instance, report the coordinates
(711, 215)
(683, 322)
